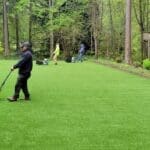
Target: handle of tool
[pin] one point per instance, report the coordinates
(5, 80)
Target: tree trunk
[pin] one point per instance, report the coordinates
(95, 25)
(96, 47)
(142, 18)
(51, 32)
(17, 31)
(148, 16)
(30, 22)
(112, 33)
(5, 29)
(91, 40)
(128, 33)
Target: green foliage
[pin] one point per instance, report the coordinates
(71, 22)
(146, 64)
(22, 5)
(137, 64)
(136, 53)
(1, 48)
(118, 59)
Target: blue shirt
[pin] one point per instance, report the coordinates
(82, 49)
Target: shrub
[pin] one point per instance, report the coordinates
(118, 59)
(1, 48)
(146, 64)
(137, 64)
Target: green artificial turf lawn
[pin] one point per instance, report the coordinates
(78, 106)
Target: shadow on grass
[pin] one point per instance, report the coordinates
(18, 101)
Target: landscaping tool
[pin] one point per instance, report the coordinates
(3, 83)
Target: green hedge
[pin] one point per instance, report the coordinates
(146, 64)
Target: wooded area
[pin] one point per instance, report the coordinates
(109, 28)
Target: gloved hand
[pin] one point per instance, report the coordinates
(12, 68)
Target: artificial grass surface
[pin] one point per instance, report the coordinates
(81, 106)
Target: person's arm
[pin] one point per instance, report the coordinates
(55, 51)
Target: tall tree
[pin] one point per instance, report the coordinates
(17, 30)
(112, 32)
(51, 3)
(95, 25)
(16, 26)
(30, 21)
(5, 28)
(128, 33)
(141, 9)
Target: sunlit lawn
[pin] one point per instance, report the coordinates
(78, 106)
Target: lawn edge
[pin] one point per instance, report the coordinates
(124, 67)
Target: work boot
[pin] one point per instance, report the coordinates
(12, 99)
(27, 98)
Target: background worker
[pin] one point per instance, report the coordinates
(56, 54)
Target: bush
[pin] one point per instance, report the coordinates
(137, 64)
(1, 48)
(118, 59)
(146, 64)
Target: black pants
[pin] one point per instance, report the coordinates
(22, 84)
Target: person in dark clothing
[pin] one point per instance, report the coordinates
(25, 68)
(81, 52)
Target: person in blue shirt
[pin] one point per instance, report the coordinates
(81, 52)
(24, 72)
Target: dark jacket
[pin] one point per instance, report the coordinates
(25, 64)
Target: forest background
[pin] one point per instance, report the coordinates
(99, 24)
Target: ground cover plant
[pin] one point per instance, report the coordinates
(77, 106)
